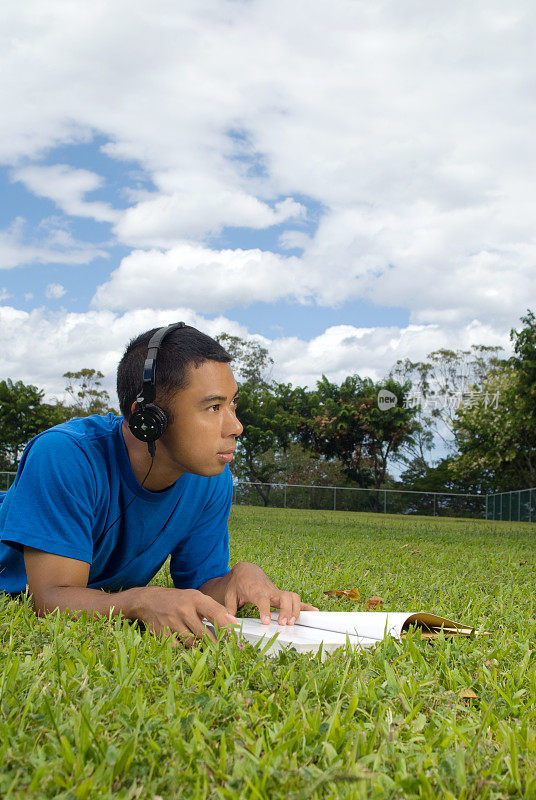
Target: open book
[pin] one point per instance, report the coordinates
(332, 628)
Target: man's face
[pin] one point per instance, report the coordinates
(202, 437)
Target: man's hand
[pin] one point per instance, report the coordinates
(249, 584)
(58, 582)
(180, 611)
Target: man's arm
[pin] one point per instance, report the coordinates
(60, 583)
(247, 583)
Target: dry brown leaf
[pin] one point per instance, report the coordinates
(351, 594)
(415, 551)
(402, 546)
(522, 562)
(467, 694)
(373, 602)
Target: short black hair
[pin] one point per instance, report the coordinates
(180, 348)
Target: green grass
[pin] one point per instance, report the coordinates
(95, 709)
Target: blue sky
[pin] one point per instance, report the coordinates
(27, 286)
(350, 188)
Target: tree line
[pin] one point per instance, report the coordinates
(474, 406)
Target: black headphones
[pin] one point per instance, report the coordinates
(149, 421)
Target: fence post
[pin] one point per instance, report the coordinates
(384, 502)
(285, 497)
(334, 498)
(234, 493)
(435, 496)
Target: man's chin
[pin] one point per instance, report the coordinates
(210, 471)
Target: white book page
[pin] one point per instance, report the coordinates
(254, 630)
(303, 638)
(372, 624)
(368, 624)
(331, 628)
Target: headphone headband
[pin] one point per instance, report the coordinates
(149, 421)
(148, 391)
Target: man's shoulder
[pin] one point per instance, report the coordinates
(89, 428)
(86, 435)
(81, 431)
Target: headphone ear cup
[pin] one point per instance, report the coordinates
(149, 423)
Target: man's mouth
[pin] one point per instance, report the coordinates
(226, 456)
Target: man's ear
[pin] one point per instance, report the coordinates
(134, 407)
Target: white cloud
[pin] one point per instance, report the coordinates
(48, 245)
(66, 187)
(39, 346)
(370, 352)
(294, 240)
(55, 291)
(373, 254)
(199, 207)
(438, 264)
(4, 294)
(202, 279)
(410, 126)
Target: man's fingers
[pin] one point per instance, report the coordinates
(187, 639)
(296, 606)
(208, 632)
(231, 603)
(215, 612)
(188, 631)
(264, 610)
(289, 608)
(307, 607)
(179, 634)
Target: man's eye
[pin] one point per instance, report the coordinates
(215, 406)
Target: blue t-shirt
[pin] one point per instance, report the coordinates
(75, 480)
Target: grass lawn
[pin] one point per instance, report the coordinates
(95, 709)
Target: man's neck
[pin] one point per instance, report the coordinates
(163, 472)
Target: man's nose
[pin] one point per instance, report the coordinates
(234, 427)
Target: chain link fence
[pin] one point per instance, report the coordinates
(516, 506)
(343, 498)
(6, 479)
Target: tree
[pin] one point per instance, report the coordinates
(269, 422)
(439, 478)
(346, 422)
(22, 416)
(487, 439)
(438, 386)
(251, 361)
(87, 396)
(497, 440)
(301, 466)
(266, 409)
(524, 360)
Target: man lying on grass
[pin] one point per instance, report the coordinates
(94, 508)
